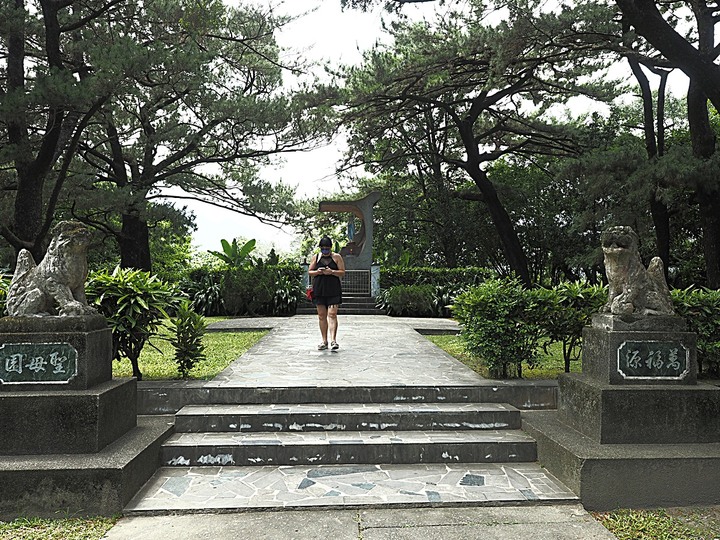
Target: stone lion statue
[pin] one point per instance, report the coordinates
(57, 285)
(633, 289)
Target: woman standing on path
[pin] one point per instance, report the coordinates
(326, 269)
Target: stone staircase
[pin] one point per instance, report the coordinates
(387, 421)
(352, 305)
(429, 430)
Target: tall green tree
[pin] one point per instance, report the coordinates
(49, 92)
(695, 53)
(494, 86)
(196, 120)
(429, 213)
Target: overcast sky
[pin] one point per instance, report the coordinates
(325, 33)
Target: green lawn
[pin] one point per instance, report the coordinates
(56, 529)
(550, 364)
(701, 523)
(157, 360)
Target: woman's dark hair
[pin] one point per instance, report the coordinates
(325, 242)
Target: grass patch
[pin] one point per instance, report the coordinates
(550, 363)
(56, 529)
(157, 360)
(670, 524)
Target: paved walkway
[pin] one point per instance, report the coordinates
(375, 351)
(570, 522)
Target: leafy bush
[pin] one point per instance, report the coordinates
(408, 301)
(452, 277)
(234, 255)
(570, 308)
(501, 324)
(4, 286)
(288, 288)
(262, 289)
(417, 300)
(204, 290)
(701, 310)
(135, 304)
(188, 328)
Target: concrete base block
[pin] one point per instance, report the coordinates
(89, 336)
(611, 476)
(67, 422)
(82, 484)
(631, 414)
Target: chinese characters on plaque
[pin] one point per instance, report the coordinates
(22, 363)
(653, 360)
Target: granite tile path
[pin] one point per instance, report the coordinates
(374, 351)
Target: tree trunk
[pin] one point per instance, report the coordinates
(32, 171)
(703, 146)
(710, 222)
(654, 145)
(512, 248)
(134, 242)
(661, 221)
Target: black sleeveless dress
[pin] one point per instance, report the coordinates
(327, 290)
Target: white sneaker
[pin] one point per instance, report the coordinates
(323, 346)
(334, 346)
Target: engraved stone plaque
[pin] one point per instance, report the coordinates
(46, 363)
(653, 360)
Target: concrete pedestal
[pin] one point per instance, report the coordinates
(622, 414)
(611, 476)
(634, 429)
(70, 441)
(89, 338)
(67, 422)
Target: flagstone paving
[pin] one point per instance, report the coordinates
(374, 351)
(383, 366)
(267, 487)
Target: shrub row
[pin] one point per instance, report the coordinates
(701, 309)
(417, 300)
(255, 289)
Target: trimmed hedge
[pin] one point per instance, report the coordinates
(701, 309)
(453, 277)
(258, 289)
(408, 301)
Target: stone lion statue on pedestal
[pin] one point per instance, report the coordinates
(633, 289)
(56, 286)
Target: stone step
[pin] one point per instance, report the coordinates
(168, 397)
(315, 448)
(346, 417)
(176, 490)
